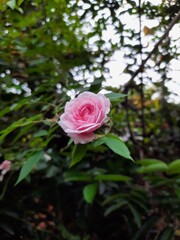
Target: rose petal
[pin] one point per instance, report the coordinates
(84, 129)
(82, 138)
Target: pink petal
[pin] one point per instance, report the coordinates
(82, 137)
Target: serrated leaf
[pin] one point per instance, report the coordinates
(29, 164)
(115, 97)
(112, 177)
(117, 146)
(78, 153)
(89, 192)
(155, 167)
(174, 167)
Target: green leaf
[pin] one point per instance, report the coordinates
(148, 161)
(98, 142)
(96, 85)
(9, 129)
(114, 197)
(146, 227)
(12, 4)
(20, 123)
(117, 146)
(19, 104)
(70, 142)
(5, 111)
(78, 153)
(41, 133)
(20, 2)
(112, 177)
(115, 97)
(52, 172)
(155, 167)
(166, 234)
(20, 10)
(35, 119)
(89, 192)
(114, 207)
(29, 165)
(67, 235)
(174, 167)
(76, 176)
(137, 216)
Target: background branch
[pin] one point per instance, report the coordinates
(140, 69)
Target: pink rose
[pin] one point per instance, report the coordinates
(83, 115)
(5, 166)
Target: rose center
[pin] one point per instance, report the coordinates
(85, 111)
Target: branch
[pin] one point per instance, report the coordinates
(173, 22)
(142, 118)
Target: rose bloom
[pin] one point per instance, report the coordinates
(83, 115)
(5, 166)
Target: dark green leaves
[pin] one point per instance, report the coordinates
(166, 234)
(148, 161)
(155, 165)
(78, 153)
(112, 177)
(145, 228)
(14, 107)
(41, 133)
(151, 166)
(20, 123)
(110, 140)
(77, 176)
(115, 207)
(29, 164)
(9, 129)
(137, 216)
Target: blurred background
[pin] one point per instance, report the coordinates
(50, 51)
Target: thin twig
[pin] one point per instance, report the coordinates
(141, 80)
(140, 69)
